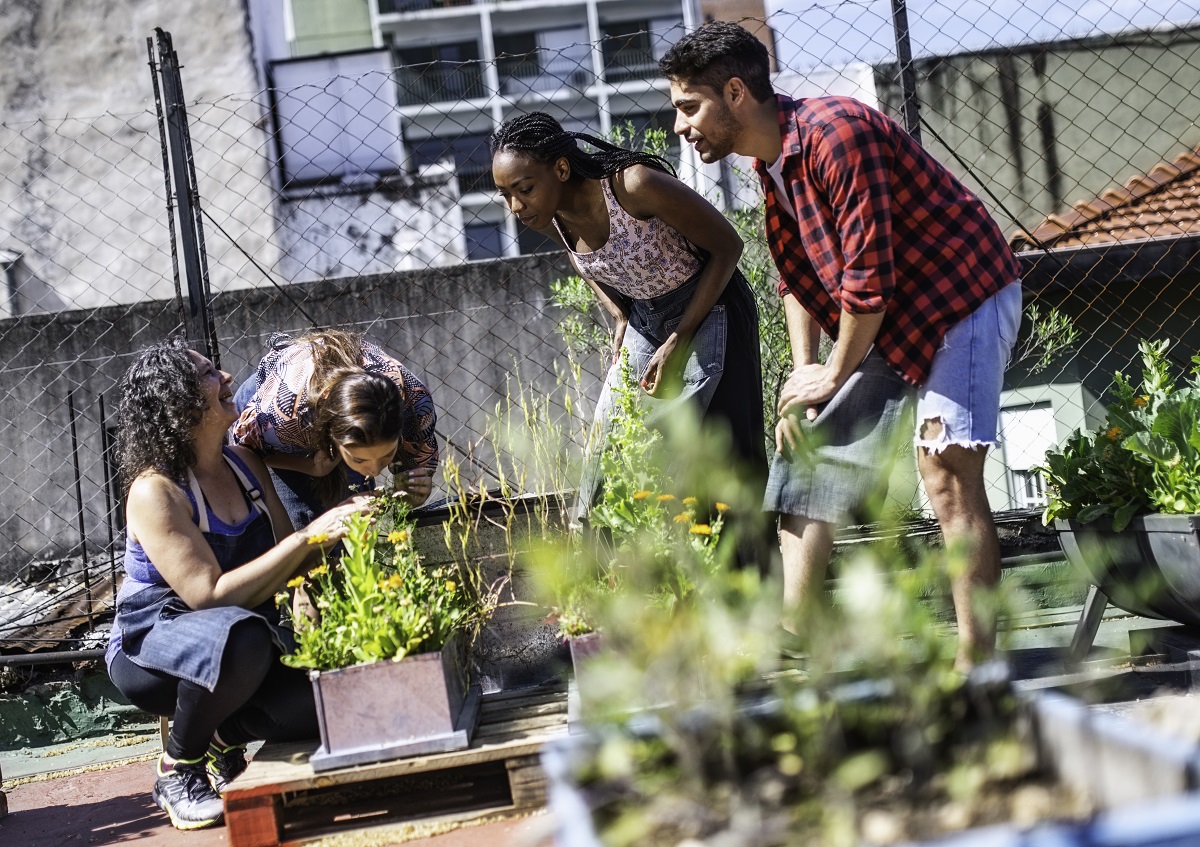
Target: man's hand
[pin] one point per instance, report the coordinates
(808, 385)
(662, 369)
(417, 485)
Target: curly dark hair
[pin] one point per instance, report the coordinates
(160, 405)
(717, 52)
(542, 138)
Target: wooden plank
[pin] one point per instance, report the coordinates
(279, 768)
(527, 782)
(254, 822)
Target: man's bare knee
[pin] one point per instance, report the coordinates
(931, 429)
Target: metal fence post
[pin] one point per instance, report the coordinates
(198, 316)
(908, 76)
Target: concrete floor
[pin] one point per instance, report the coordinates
(111, 805)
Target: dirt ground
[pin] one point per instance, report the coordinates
(113, 806)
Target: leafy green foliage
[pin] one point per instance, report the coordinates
(379, 603)
(1049, 337)
(1146, 457)
(637, 518)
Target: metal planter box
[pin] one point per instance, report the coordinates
(385, 710)
(1151, 568)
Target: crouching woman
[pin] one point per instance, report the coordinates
(197, 636)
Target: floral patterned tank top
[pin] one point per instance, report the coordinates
(641, 259)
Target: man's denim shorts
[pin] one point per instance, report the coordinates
(848, 450)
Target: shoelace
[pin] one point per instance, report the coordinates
(228, 762)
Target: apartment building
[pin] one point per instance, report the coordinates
(455, 71)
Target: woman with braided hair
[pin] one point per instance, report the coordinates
(662, 262)
(328, 411)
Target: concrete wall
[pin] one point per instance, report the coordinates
(466, 330)
(81, 184)
(1046, 125)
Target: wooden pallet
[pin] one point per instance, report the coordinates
(280, 800)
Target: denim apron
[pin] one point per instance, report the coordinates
(734, 318)
(158, 631)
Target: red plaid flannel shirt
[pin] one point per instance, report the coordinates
(883, 227)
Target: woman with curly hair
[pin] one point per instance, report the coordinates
(661, 260)
(328, 412)
(197, 633)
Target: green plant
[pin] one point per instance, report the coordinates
(379, 602)
(1145, 458)
(636, 516)
(1050, 336)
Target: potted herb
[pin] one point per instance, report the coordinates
(1125, 499)
(386, 651)
(636, 518)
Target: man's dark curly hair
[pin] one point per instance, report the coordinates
(160, 405)
(715, 53)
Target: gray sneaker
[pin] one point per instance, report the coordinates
(184, 793)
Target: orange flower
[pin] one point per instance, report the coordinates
(1113, 434)
(665, 498)
(683, 517)
(318, 538)
(701, 529)
(319, 570)
(722, 507)
(690, 501)
(1140, 401)
(641, 495)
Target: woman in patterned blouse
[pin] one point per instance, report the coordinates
(328, 412)
(663, 263)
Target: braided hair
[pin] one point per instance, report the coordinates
(542, 138)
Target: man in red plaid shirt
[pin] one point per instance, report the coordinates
(882, 248)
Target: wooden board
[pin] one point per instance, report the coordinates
(281, 800)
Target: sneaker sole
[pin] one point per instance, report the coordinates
(186, 826)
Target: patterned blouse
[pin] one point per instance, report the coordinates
(275, 418)
(641, 259)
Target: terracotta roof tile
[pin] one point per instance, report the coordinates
(1160, 204)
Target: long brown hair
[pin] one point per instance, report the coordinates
(351, 407)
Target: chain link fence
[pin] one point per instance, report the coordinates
(353, 189)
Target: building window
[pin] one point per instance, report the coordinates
(632, 48)
(1026, 433)
(544, 62)
(439, 73)
(469, 155)
(484, 240)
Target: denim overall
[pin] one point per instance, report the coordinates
(154, 627)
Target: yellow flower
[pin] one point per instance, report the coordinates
(319, 570)
(701, 529)
(641, 495)
(722, 507)
(665, 498)
(450, 586)
(397, 536)
(690, 501)
(318, 538)
(1113, 434)
(1140, 401)
(395, 581)
(295, 582)
(683, 517)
